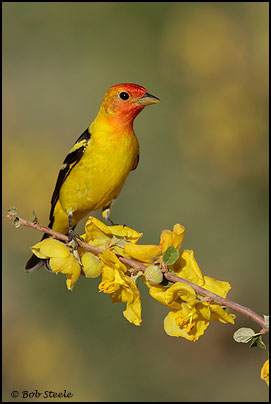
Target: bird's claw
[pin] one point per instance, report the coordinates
(115, 224)
(111, 222)
(72, 237)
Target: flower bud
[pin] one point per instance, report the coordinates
(91, 265)
(153, 275)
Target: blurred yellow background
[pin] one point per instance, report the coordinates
(204, 164)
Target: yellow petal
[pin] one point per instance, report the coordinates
(220, 288)
(109, 258)
(70, 264)
(178, 235)
(130, 295)
(166, 240)
(73, 272)
(143, 253)
(175, 238)
(120, 286)
(108, 273)
(186, 267)
(204, 309)
(173, 329)
(91, 265)
(69, 267)
(265, 372)
(158, 293)
(125, 232)
(191, 327)
(180, 291)
(96, 230)
(50, 248)
(133, 312)
(71, 281)
(219, 314)
(57, 264)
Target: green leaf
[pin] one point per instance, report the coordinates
(12, 211)
(171, 255)
(260, 343)
(244, 335)
(34, 218)
(16, 222)
(257, 342)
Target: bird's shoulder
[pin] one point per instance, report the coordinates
(78, 149)
(72, 158)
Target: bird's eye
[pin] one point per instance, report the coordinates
(124, 96)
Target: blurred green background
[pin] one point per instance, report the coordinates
(204, 164)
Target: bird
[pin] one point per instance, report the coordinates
(95, 169)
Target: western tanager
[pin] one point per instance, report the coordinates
(95, 169)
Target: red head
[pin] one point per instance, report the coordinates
(123, 102)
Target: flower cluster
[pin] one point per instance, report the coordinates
(189, 314)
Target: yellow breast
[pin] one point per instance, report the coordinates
(100, 174)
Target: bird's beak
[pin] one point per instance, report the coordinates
(147, 99)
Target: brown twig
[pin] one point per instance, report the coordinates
(220, 300)
(212, 297)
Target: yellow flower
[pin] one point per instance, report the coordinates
(150, 253)
(120, 287)
(61, 259)
(190, 314)
(102, 236)
(265, 372)
(188, 322)
(193, 316)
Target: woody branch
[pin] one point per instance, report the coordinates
(134, 265)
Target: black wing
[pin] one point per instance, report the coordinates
(70, 161)
(136, 163)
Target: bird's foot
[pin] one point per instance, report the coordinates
(73, 238)
(111, 222)
(115, 224)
